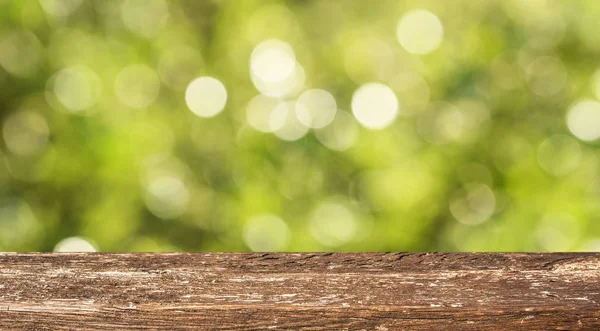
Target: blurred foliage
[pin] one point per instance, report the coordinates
(107, 144)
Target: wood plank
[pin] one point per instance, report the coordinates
(322, 291)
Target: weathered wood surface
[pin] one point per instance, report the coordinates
(323, 291)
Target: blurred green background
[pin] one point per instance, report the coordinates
(153, 125)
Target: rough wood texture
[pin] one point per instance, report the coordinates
(347, 291)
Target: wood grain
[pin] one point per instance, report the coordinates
(323, 291)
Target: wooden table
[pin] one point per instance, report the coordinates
(286, 291)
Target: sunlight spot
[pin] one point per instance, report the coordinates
(333, 224)
(558, 232)
(474, 205)
(74, 245)
(420, 32)
(165, 189)
(266, 233)
(272, 61)
(77, 88)
(60, 8)
(145, 17)
(341, 134)
(288, 87)
(559, 155)
(259, 110)
(583, 119)
(17, 221)
(316, 108)
(546, 75)
(137, 86)
(375, 105)
(285, 124)
(20, 53)
(167, 197)
(25, 133)
(206, 96)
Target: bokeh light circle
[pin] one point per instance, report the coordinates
(559, 154)
(420, 32)
(333, 224)
(75, 245)
(60, 8)
(206, 96)
(316, 108)
(272, 61)
(289, 86)
(285, 124)
(266, 233)
(137, 86)
(546, 75)
(167, 196)
(558, 232)
(375, 105)
(475, 205)
(340, 134)
(25, 133)
(259, 110)
(583, 119)
(77, 88)
(20, 53)
(146, 18)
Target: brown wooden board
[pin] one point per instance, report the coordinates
(287, 291)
